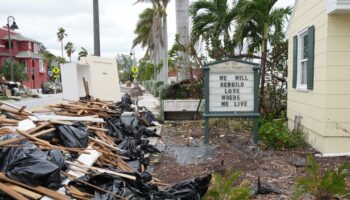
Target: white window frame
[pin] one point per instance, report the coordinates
(29, 46)
(41, 66)
(301, 34)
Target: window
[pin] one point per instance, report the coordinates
(303, 59)
(41, 66)
(36, 48)
(29, 46)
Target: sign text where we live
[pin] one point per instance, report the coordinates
(232, 91)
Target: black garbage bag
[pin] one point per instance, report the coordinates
(28, 164)
(115, 186)
(191, 189)
(56, 157)
(74, 136)
(149, 117)
(126, 99)
(130, 148)
(116, 128)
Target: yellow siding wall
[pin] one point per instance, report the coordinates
(325, 110)
(338, 76)
(309, 105)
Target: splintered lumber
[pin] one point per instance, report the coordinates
(24, 192)
(12, 193)
(18, 139)
(77, 193)
(103, 171)
(20, 110)
(38, 189)
(64, 118)
(86, 87)
(93, 186)
(87, 160)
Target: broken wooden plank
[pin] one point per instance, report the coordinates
(64, 118)
(38, 189)
(25, 192)
(12, 193)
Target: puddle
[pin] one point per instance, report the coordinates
(191, 154)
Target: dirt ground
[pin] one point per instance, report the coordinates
(232, 149)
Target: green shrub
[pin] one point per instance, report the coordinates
(276, 135)
(222, 187)
(323, 185)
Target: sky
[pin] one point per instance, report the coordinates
(40, 20)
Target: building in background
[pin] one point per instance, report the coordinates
(319, 74)
(26, 51)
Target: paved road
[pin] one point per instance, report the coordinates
(36, 103)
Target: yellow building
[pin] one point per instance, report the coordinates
(319, 73)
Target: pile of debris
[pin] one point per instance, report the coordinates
(89, 149)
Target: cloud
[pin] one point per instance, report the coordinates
(40, 19)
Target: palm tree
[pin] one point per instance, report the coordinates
(259, 21)
(61, 34)
(69, 50)
(182, 29)
(159, 35)
(96, 17)
(82, 53)
(143, 30)
(212, 23)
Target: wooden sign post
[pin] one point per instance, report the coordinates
(231, 90)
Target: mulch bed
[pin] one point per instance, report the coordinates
(233, 149)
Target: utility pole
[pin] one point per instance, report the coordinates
(97, 51)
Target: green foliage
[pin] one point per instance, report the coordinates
(146, 70)
(82, 53)
(124, 63)
(276, 135)
(323, 185)
(19, 71)
(222, 187)
(69, 47)
(185, 90)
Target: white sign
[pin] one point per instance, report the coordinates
(231, 87)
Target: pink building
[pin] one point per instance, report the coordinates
(26, 51)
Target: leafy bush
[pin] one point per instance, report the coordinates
(185, 90)
(19, 71)
(221, 187)
(323, 185)
(276, 135)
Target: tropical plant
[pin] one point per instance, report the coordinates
(182, 29)
(146, 70)
(276, 135)
(143, 31)
(69, 47)
(323, 185)
(124, 63)
(159, 35)
(222, 187)
(213, 23)
(82, 53)
(49, 57)
(258, 22)
(61, 34)
(19, 71)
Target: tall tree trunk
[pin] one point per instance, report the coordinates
(62, 47)
(182, 28)
(263, 66)
(165, 49)
(97, 50)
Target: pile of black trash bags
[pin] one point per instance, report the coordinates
(24, 162)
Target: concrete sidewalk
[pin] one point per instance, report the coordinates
(147, 100)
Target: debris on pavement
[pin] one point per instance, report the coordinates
(87, 149)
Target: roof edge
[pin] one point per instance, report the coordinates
(292, 16)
